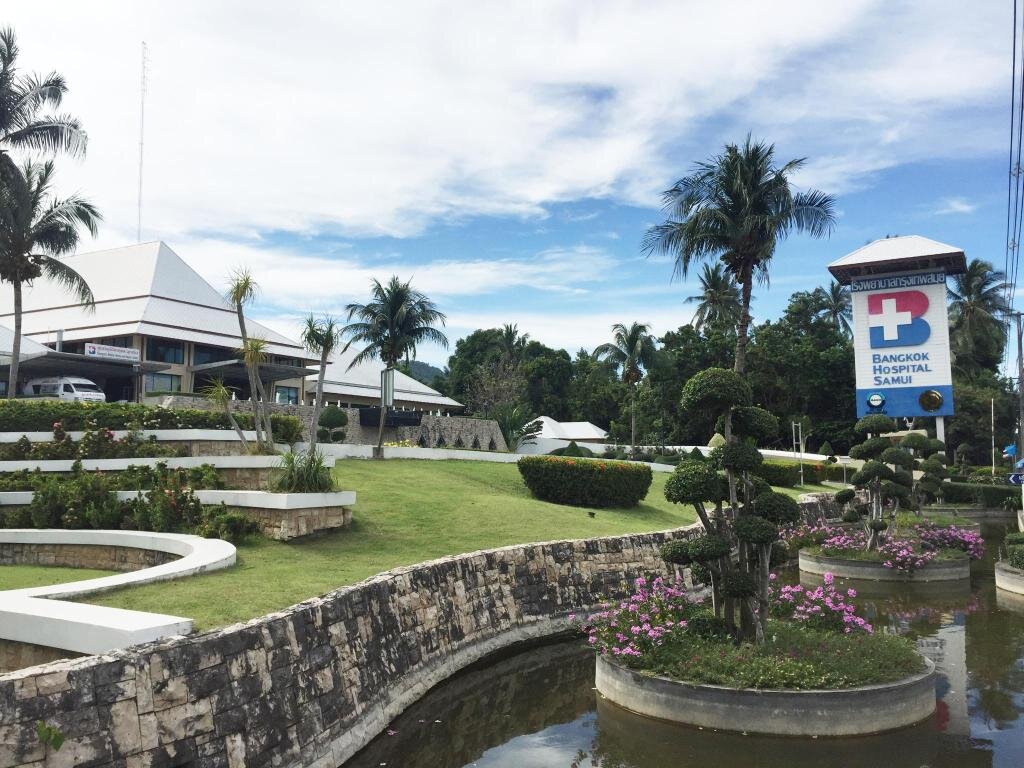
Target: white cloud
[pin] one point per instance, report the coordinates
(954, 205)
(383, 118)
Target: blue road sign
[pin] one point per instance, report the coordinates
(1016, 479)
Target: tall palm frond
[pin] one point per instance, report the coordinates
(631, 351)
(735, 208)
(718, 303)
(322, 336)
(977, 303)
(837, 306)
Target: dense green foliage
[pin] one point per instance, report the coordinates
(585, 482)
(572, 450)
(331, 424)
(304, 472)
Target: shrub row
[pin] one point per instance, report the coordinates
(41, 415)
(990, 496)
(585, 482)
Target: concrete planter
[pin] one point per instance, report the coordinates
(936, 570)
(1009, 579)
(847, 712)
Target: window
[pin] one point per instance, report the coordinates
(203, 354)
(286, 395)
(165, 351)
(292, 361)
(68, 389)
(86, 388)
(73, 347)
(117, 341)
(162, 382)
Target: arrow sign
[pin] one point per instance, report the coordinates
(1016, 479)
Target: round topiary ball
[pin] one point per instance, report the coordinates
(845, 496)
(758, 485)
(756, 530)
(753, 422)
(878, 525)
(738, 584)
(676, 552)
(706, 548)
(715, 390)
(897, 456)
(777, 507)
(915, 441)
(739, 457)
(692, 482)
(875, 424)
(851, 516)
(870, 449)
(872, 470)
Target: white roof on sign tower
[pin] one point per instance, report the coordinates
(899, 254)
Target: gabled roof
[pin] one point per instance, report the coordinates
(570, 430)
(898, 254)
(29, 348)
(146, 289)
(363, 380)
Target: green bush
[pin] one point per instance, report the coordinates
(875, 424)
(304, 472)
(1014, 537)
(287, 429)
(708, 626)
(572, 450)
(756, 530)
(708, 547)
(676, 552)
(739, 457)
(753, 422)
(1016, 559)
(331, 423)
(738, 584)
(777, 507)
(692, 482)
(990, 496)
(715, 390)
(779, 475)
(219, 523)
(851, 516)
(845, 496)
(585, 482)
(41, 415)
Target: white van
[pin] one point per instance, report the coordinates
(65, 388)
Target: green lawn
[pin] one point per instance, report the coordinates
(23, 576)
(800, 490)
(406, 511)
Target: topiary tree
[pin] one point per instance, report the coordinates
(726, 395)
(826, 449)
(696, 483)
(717, 440)
(331, 424)
(886, 474)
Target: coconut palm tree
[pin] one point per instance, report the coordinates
(977, 298)
(36, 229)
(836, 306)
(321, 337)
(392, 324)
(718, 303)
(26, 101)
(736, 208)
(632, 352)
(512, 343)
(243, 289)
(254, 353)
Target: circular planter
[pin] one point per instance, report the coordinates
(1009, 579)
(847, 712)
(936, 570)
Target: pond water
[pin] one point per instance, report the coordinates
(539, 709)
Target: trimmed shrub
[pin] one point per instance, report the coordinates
(1014, 538)
(779, 475)
(875, 424)
(871, 449)
(756, 530)
(739, 457)
(587, 482)
(676, 552)
(851, 516)
(826, 449)
(692, 482)
(845, 496)
(717, 440)
(777, 507)
(331, 423)
(738, 584)
(915, 441)
(753, 422)
(572, 450)
(715, 390)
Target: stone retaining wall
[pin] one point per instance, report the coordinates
(15, 655)
(101, 558)
(311, 685)
(286, 524)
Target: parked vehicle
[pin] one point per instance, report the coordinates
(65, 388)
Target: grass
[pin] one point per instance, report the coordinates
(406, 511)
(800, 490)
(23, 576)
(793, 658)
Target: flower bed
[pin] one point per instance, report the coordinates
(585, 482)
(664, 654)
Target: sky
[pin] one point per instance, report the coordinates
(508, 157)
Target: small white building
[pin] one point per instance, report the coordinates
(571, 431)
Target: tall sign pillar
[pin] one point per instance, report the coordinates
(901, 325)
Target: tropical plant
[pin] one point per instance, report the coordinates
(242, 289)
(837, 307)
(718, 303)
(321, 337)
(631, 352)
(26, 101)
(392, 324)
(36, 228)
(517, 425)
(977, 298)
(512, 343)
(219, 394)
(736, 208)
(304, 472)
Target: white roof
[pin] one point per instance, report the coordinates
(146, 289)
(570, 430)
(899, 253)
(363, 380)
(29, 348)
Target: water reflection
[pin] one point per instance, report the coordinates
(539, 710)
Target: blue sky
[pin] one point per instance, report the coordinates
(508, 160)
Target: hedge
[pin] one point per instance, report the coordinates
(41, 415)
(585, 482)
(990, 496)
(780, 475)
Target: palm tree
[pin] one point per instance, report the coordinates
(242, 289)
(736, 208)
(632, 351)
(36, 228)
(219, 394)
(392, 324)
(321, 337)
(254, 353)
(977, 298)
(837, 306)
(512, 343)
(25, 101)
(718, 303)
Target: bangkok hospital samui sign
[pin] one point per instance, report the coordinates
(901, 344)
